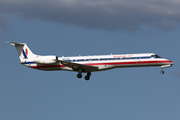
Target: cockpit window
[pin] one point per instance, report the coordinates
(155, 56)
(152, 55)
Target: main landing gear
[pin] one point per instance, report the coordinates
(79, 75)
(87, 77)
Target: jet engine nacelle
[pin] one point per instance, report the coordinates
(46, 60)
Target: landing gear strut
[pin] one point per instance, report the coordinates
(87, 77)
(79, 75)
(162, 71)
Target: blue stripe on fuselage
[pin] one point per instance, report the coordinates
(28, 63)
(80, 60)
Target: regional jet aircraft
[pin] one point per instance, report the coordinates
(88, 64)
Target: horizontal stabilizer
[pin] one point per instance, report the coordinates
(12, 43)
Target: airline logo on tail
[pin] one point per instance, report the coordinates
(25, 53)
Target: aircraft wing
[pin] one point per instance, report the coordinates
(76, 66)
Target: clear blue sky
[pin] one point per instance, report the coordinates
(126, 93)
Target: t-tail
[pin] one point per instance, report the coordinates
(23, 51)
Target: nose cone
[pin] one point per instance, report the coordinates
(171, 62)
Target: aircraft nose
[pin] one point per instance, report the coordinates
(171, 62)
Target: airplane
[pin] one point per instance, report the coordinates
(88, 64)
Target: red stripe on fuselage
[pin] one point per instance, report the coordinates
(134, 62)
(47, 66)
(110, 63)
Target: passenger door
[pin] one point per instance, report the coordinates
(153, 59)
(138, 61)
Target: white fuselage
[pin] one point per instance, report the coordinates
(88, 64)
(105, 62)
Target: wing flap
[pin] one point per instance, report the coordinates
(76, 66)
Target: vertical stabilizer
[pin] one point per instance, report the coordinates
(23, 51)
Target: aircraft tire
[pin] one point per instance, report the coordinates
(79, 75)
(87, 77)
(162, 72)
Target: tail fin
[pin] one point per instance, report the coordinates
(23, 51)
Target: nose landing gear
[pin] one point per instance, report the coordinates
(165, 66)
(162, 71)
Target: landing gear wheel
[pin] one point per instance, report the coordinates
(162, 72)
(79, 75)
(87, 77)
